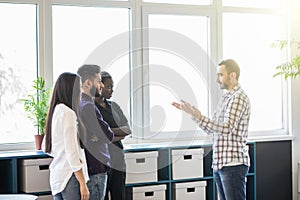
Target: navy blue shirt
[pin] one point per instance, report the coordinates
(98, 136)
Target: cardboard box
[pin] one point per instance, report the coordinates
(141, 167)
(34, 175)
(190, 190)
(187, 163)
(155, 192)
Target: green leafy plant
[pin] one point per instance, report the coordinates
(289, 68)
(36, 104)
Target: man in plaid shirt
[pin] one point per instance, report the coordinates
(229, 127)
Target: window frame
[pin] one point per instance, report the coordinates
(179, 10)
(285, 132)
(140, 100)
(39, 61)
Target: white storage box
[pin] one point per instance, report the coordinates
(141, 167)
(34, 175)
(155, 192)
(187, 163)
(190, 191)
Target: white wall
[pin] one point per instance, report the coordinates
(295, 97)
(295, 126)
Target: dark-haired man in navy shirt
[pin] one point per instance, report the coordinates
(97, 134)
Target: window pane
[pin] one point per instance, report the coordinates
(248, 38)
(191, 2)
(93, 36)
(18, 65)
(174, 71)
(255, 3)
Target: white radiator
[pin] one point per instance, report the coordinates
(298, 180)
(298, 177)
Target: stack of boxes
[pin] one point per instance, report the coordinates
(141, 169)
(187, 164)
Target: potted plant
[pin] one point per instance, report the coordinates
(36, 105)
(289, 68)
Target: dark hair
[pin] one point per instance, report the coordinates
(67, 91)
(231, 66)
(88, 71)
(105, 75)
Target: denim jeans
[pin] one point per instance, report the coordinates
(71, 191)
(231, 182)
(97, 186)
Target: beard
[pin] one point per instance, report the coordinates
(94, 91)
(223, 87)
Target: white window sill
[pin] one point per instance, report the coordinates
(197, 139)
(161, 141)
(17, 146)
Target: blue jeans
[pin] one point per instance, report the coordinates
(231, 182)
(97, 186)
(71, 191)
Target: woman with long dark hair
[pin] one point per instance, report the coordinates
(68, 170)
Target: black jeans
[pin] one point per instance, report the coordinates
(116, 185)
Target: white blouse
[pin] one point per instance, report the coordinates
(67, 155)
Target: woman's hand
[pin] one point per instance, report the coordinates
(84, 192)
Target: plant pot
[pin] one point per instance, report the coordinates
(38, 141)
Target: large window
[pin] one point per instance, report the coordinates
(18, 67)
(246, 33)
(248, 38)
(87, 29)
(177, 69)
(94, 35)
(158, 51)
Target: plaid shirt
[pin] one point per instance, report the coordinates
(229, 127)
